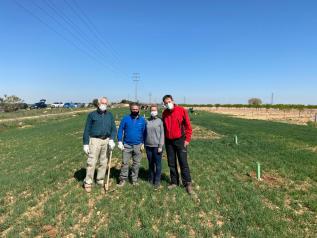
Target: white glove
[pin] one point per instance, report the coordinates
(111, 144)
(142, 148)
(120, 145)
(159, 150)
(86, 149)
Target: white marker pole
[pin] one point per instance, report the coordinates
(236, 139)
(258, 171)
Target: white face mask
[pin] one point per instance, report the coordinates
(103, 107)
(170, 105)
(154, 113)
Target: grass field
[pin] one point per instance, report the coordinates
(27, 118)
(38, 112)
(43, 167)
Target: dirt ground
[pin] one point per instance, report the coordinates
(293, 116)
(200, 133)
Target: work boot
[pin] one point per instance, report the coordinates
(157, 186)
(100, 183)
(189, 188)
(171, 186)
(121, 183)
(87, 187)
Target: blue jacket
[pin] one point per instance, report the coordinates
(132, 130)
(99, 124)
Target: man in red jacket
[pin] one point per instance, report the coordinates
(178, 132)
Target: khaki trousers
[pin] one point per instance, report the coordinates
(98, 150)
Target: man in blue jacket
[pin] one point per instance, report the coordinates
(131, 135)
(100, 131)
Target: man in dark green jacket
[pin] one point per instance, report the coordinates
(99, 134)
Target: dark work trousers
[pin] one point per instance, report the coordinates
(176, 151)
(155, 168)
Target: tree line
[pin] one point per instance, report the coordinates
(11, 103)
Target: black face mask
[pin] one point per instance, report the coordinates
(135, 114)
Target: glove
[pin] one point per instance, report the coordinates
(159, 150)
(186, 143)
(111, 144)
(86, 149)
(142, 148)
(120, 145)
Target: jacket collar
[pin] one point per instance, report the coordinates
(153, 118)
(171, 111)
(101, 112)
(135, 117)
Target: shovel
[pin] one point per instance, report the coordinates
(108, 175)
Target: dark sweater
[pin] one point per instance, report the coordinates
(99, 124)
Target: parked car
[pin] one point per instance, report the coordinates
(79, 105)
(23, 105)
(69, 105)
(57, 104)
(39, 105)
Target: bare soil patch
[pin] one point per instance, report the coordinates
(49, 231)
(271, 179)
(267, 203)
(293, 116)
(200, 133)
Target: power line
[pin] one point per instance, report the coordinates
(92, 28)
(75, 44)
(56, 32)
(136, 79)
(95, 31)
(67, 20)
(83, 43)
(73, 26)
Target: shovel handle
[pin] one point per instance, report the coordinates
(109, 167)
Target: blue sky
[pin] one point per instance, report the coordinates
(206, 51)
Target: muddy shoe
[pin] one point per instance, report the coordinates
(100, 183)
(121, 183)
(171, 186)
(87, 187)
(156, 186)
(189, 188)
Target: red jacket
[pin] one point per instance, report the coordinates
(177, 123)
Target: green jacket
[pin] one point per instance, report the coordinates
(99, 124)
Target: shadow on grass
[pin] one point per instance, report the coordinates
(80, 175)
(144, 175)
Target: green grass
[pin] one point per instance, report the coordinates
(37, 112)
(29, 118)
(42, 169)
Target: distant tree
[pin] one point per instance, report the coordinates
(1, 104)
(12, 99)
(125, 101)
(255, 101)
(95, 102)
(11, 103)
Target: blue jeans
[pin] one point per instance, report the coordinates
(155, 167)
